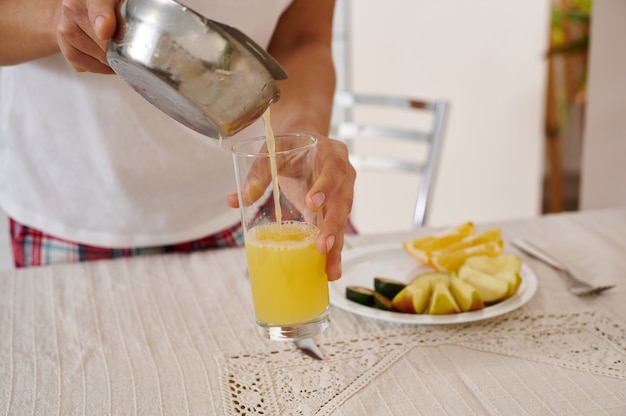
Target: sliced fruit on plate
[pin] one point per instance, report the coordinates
(414, 297)
(512, 278)
(382, 302)
(490, 288)
(387, 287)
(489, 235)
(451, 261)
(497, 264)
(359, 294)
(466, 295)
(441, 301)
(420, 248)
(432, 277)
(504, 266)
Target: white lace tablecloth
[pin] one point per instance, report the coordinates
(175, 335)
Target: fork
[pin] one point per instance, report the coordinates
(575, 286)
(309, 347)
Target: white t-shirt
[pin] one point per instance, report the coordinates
(85, 158)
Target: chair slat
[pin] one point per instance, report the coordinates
(362, 131)
(351, 132)
(385, 164)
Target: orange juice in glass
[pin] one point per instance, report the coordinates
(287, 272)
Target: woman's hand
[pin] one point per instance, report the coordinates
(330, 195)
(83, 31)
(79, 29)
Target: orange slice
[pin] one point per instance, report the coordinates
(421, 248)
(451, 261)
(489, 235)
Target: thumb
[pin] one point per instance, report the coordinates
(103, 18)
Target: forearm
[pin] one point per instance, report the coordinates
(302, 45)
(27, 30)
(307, 95)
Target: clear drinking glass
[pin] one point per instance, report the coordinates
(287, 272)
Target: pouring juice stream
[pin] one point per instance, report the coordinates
(271, 149)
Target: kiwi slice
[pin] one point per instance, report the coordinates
(361, 295)
(382, 302)
(389, 288)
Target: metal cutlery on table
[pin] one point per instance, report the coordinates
(309, 347)
(574, 285)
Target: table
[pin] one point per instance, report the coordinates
(175, 335)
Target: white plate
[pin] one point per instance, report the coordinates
(362, 264)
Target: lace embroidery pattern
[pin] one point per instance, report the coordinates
(286, 382)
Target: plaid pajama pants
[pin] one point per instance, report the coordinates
(32, 247)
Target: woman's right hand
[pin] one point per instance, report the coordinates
(84, 28)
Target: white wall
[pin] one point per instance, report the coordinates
(603, 172)
(486, 58)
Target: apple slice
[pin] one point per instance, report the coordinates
(432, 277)
(504, 266)
(512, 278)
(442, 302)
(495, 264)
(490, 288)
(466, 295)
(414, 297)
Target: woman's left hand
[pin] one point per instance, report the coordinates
(331, 195)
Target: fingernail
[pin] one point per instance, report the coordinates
(318, 199)
(97, 24)
(330, 242)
